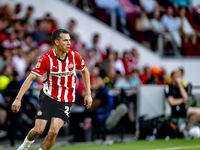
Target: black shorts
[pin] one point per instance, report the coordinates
(49, 108)
(179, 111)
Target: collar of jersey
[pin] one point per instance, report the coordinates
(63, 60)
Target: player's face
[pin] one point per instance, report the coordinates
(64, 42)
(176, 75)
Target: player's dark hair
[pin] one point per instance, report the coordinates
(56, 34)
(30, 8)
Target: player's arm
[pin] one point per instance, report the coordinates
(86, 80)
(25, 86)
(175, 101)
(182, 90)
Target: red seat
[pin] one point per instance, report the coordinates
(189, 16)
(189, 49)
(198, 49)
(100, 13)
(137, 35)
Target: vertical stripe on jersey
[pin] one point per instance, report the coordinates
(62, 83)
(66, 79)
(50, 76)
(59, 80)
(73, 78)
(70, 80)
(55, 85)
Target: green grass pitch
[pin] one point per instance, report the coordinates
(172, 144)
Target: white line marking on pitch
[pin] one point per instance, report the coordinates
(174, 148)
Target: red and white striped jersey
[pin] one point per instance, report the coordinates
(59, 76)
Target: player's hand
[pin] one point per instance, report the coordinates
(178, 80)
(88, 101)
(16, 106)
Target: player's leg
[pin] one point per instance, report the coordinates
(33, 134)
(56, 124)
(37, 130)
(43, 114)
(194, 116)
(58, 118)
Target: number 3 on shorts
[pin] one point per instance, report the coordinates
(67, 110)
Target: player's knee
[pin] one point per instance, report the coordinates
(198, 113)
(38, 131)
(53, 132)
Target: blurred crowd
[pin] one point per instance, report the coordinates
(114, 79)
(172, 23)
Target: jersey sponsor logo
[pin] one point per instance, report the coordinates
(62, 73)
(70, 66)
(38, 65)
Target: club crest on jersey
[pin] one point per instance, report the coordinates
(70, 66)
(38, 65)
(82, 63)
(39, 113)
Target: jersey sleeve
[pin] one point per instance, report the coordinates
(80, 63)
(168, 91)
(40, 67)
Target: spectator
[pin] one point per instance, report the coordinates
(102, 99)
(119, 66)
(25, 27)
(185, 27)
(31, 58)
(177, 97)
(52, 22)
(114, 5)
(110, 58)
(6, 12)
(41, 34)
(182, 80)
(99, 55)
(129, 8)
(164, 4)
(29, 17)
(182, 3)
(17, 25)
(149, 5)
(27, 44)
(143, 24)
(158, 27)
(146, 75)
(6, 77)
(102, 110)
(156, 73)
(110, 75)
(90, 59)
(3, 25)
(12, 41)
(3, 116)
(71, 27)
(17, 12)
(172, 27)
(19, 62)
(127, 63)
(135, 58)
(128, 84)
(164, 77)
(85, 5)
(77, 45)
(48, 17)
(5, 59)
